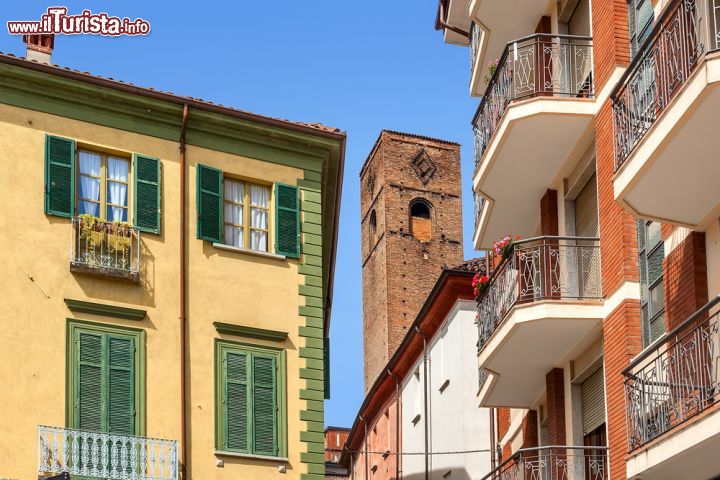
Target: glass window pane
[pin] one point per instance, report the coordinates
(258, 240)
(118, 169)
(259, 196)
(117, 193)
(89, 163)
(641, 234)
(89, 208)
(234, 236)
(89, 188)
(654, 265)
(657, 299)
(117, 214)
(233, 190)
(657, 328)
(233, 213)
(653, 235)
(259, 218)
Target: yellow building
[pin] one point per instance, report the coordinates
(166, 282)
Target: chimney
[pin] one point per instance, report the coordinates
(39, 47)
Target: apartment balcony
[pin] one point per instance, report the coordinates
(554, 463)
(673, 403)
(109, 249)
(104, 455)
(665, 112)
(541, 306)
(533, 123)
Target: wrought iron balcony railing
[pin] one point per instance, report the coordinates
(105, 455)
(541, 268)
(675, 379)
(105, 248)
(554, 463)
(479, 203)
(539, 65)
(474, 46)
(675, 47)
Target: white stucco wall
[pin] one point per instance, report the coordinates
(456, 422)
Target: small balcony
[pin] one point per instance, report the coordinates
(533, 123)
(542, 306)
(104, 455)
(110, 249)
(554, 463)
(665, 112)
(672, 399)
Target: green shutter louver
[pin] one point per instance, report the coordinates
(209, 203)
(59, 176)
(89, 368)
(287, 220)
(121, 385)
(264, 406)
(236, 401)
(147, 193)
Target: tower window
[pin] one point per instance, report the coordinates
(420, 220)
(373, 223)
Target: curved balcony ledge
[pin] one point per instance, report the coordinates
(537, 141)
(532, 340)
(677, 156)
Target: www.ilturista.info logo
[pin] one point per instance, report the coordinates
(57, 21)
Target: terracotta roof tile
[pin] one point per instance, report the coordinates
(473, 265)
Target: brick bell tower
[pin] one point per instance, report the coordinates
(411, 223)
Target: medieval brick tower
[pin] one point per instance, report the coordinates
(411, 216)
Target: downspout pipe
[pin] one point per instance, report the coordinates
(183, 299)
(398, 456)
(492, 439)
(425, 402)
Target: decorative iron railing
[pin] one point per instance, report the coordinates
(675, 379)
(539, 65)
(540, 268)
(478, 202)
(105, 455)
(106, 248)
(554, 463)
(675, 47)
(474, 47)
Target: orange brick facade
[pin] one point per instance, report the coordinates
(403, 255)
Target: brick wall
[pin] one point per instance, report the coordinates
(530, 429)
(400, 269)
(503, 421)
(611, 45)
(685, 279)
(334, 440)
(549, 213)
(555, 394)
(622, 334)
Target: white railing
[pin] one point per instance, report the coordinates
(105, 455)
(106, 248)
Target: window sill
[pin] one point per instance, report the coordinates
(222, 453)
(222, 246)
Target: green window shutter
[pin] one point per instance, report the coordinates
(59, 176)
(89, 360)
(326, 367)
(209, 203)
(236, 401)
(264, 411)
(147, 193)
(287, 220)
(121, 385)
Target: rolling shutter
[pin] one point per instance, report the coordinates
(121, 385)
(287, 215)
(264, 406)
(147, 193)
(89, 368)
(586, 210)
(236, 401)
(579, 23)
(593, 401)
(59, 176)
(209, 203)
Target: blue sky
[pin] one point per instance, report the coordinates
(360, 65)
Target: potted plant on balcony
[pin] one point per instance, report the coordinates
(119, 235)
(505, 247)
(491, 67)
(480, 283)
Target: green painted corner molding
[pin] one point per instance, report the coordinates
(105, 310)
(251, 332)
